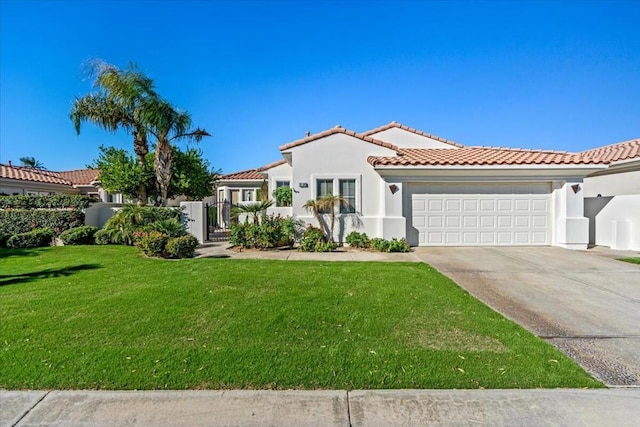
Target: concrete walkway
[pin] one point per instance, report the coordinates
(559, 407)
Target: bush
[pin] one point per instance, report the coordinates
(79, 235)
(120, 227)
(271, 232)
(314, 240)
(15, 221)
(381, 245)
(151, 243)
(358, 240)
(172, 227)
(3, 240)
(396, 245)
(56, 201)
(32, 239)
(181, 247)
(102, 238)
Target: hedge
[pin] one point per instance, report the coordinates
(16, 221)
(79, 235)
(33, 239)
(56, 201)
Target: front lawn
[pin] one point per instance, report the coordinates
(105, 317)
(631, 260)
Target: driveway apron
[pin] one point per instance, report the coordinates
(586, 305)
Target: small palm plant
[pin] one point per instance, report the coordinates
(328, 204)
(253, 209)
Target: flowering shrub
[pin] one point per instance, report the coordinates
(314, 240)
(181, 247)
(271, 231)
(151, 243)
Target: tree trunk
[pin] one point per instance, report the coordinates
(141, 148)
(163, 164)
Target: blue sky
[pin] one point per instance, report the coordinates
(259, 74)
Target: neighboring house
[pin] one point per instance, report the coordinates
(404, 183)
(17, 180)
(612, 197)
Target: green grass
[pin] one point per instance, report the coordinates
(631, 260)
(97, 317)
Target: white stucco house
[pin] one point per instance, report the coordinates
(404, 183)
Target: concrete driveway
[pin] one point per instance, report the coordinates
(585, 304)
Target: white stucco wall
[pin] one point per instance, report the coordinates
(405, 139)
(617, 224)
(570, 226)
(99, 213)
(613, 184)
(340, 156)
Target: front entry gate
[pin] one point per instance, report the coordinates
(218, 216)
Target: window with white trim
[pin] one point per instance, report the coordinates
(324, 187)
(347, 190)
(247, 195)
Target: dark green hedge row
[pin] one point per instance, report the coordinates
(57, 201)
(16, 221)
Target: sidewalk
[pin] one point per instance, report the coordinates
(558, 407)
(220, 250)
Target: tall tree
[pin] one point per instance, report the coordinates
(167, 124)
(121, 101)
(32, 163)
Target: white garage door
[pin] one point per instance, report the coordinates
(481, 214)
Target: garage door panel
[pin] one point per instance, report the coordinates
(500, 214)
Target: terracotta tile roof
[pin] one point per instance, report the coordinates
(252, 174)
(70, 178)
(481, 156)
(616, 152)
(33, 175)
(81, 176)
(412, 130)
(334, 130)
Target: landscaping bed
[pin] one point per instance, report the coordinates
(106, 317)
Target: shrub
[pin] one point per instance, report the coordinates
(56, 201)
(181, 247)
(271, 232)
(32, 239)
(381, 245)
(358, 240)
(15, 221)
(120, 227)
(314, 240)
(3, 240)
(102, 238)
(172, 227)
(396, 245)
(151, 243)
(79, 235)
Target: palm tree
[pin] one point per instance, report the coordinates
(254, 209)
(32, 163)
(120, 102)
(315, 208)
(168, 124)
(329, 203)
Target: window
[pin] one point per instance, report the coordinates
(348, 192)
(247, 195)
(323, 188)
(283, 199)
(282, 184)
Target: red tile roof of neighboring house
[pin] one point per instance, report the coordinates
(337, 129)
(252, 174)
(81, 176)
(616, 152)
(70, 178)
(481, 156)
(412, 130)
(33, 175)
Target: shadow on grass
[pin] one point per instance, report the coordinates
(6, 253)
(12, 279)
